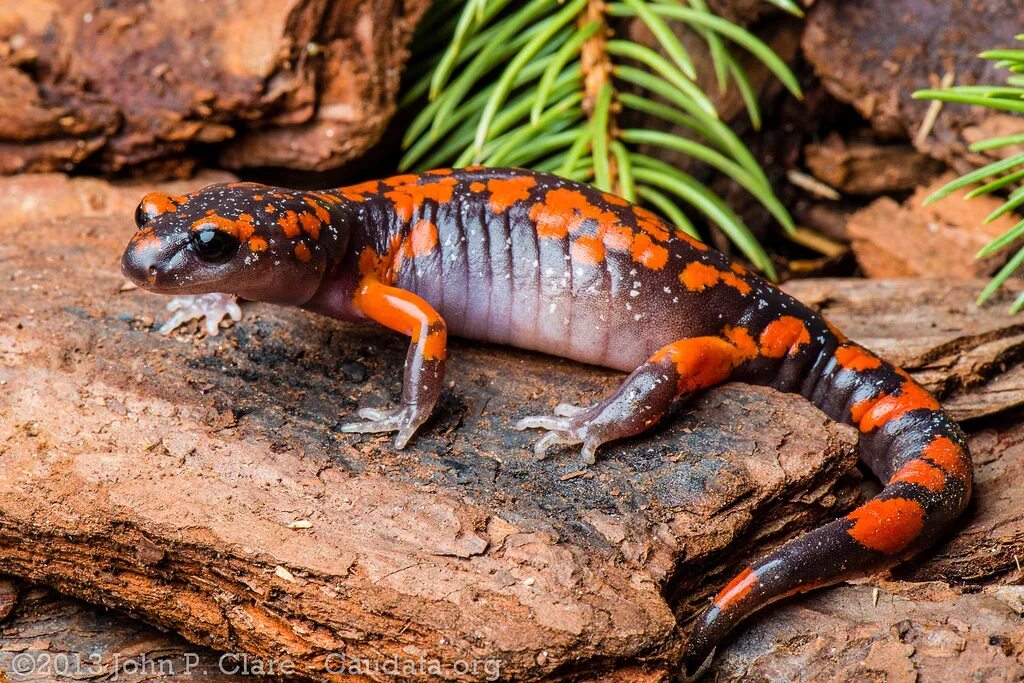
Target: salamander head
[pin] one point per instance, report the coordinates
(261, 243)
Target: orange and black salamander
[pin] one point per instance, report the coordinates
(542, 263)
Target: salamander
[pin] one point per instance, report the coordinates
(542, 263)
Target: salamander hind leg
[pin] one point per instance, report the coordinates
(680, 368)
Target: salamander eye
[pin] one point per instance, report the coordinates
(142, 217)
(213, 245)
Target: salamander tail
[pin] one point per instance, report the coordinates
(909, 443)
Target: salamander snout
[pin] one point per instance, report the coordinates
(149, 261)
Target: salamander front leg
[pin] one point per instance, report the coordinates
(682, 367)
(405, 312)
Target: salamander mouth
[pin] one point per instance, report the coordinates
(163, 269)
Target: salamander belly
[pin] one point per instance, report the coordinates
(584, 294)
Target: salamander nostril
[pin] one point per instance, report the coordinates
(152, 270)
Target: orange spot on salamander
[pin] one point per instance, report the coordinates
(650, 223)
(144, 239)
(240, 229)
(476, 186)
(698, 276)
(328, 198)
(614, 199)
(310, 224)
(408, 198)
(950, 457)
(156, 203)
(875, 412)
(404, 179)
(649, 254)
(507, 191)
(740, 337)
(619, 237)
(588, 250)
(782, 336)
(321, 213)
(302, 252)
(737, 589)
(289, 222)
(423, 238)
(557, 215)
(257, 244)
(922, 473)
(857, 358)
(382, 267)
(887, 526)
(701, 362)
(358, 193)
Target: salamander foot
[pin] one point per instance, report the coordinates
(568, 426)
(214, 307)
(405, 420)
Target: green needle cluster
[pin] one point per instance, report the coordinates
(503, 83)
(1002, 176)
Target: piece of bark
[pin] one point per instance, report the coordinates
(875, 54)
(53, 639)
(893, 240)
(893, 631)
(867, 168)
(204, 485)
(968, 355)
(307, 84)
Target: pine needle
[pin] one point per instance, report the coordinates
(541, 84)
(999, 175)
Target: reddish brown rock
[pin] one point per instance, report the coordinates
(863, 60)
(307, 84)
(904, 240)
